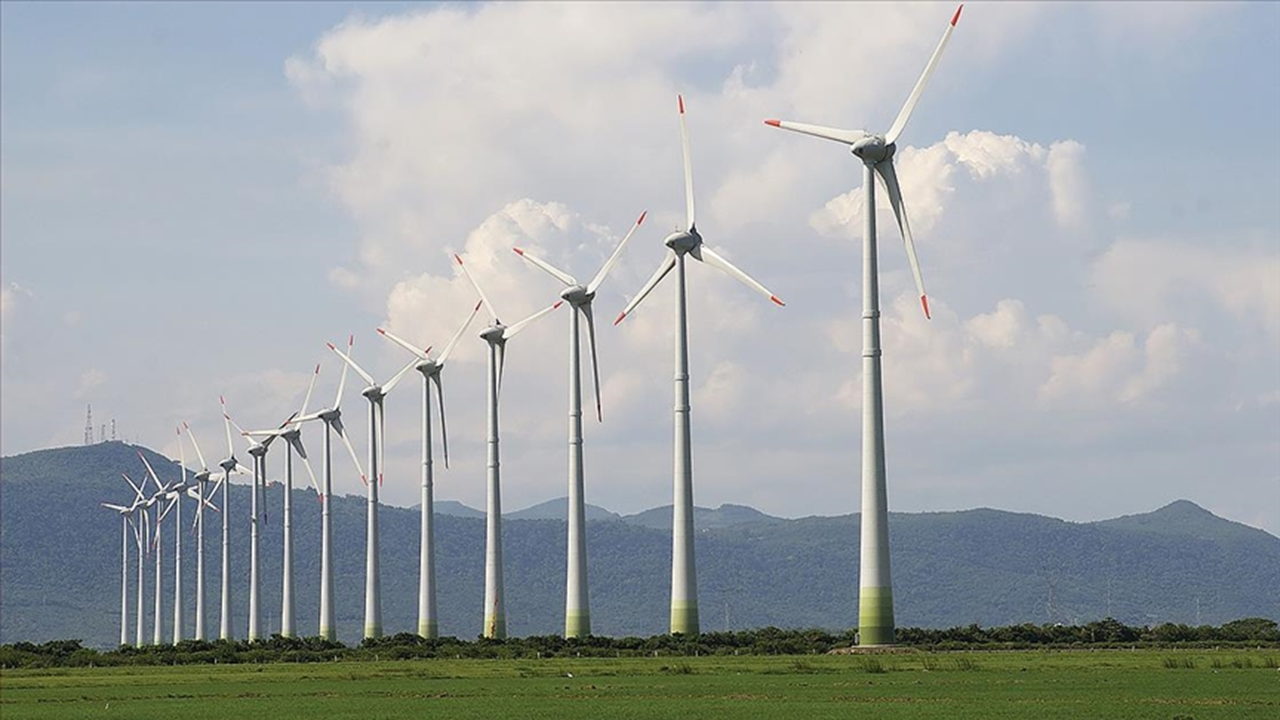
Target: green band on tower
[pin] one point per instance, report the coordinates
(875, 616)
(684, 618)
(372, 631)
(577, 624)
(429, 630)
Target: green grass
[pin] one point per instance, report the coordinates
(1039, 684)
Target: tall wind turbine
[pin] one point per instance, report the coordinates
(157, 544)
(332, 418)
(496, 335)
(687, 242)
(125, 523)
(577, 611)
(173, 493)
(141, 523)
(875, 589)
(375, 394)
(229, 465)
(428, 624)
(201, 479)
(292, 434)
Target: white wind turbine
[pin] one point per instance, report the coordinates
(375, 394)
(577, 612)
(688, 242)
(496, 335)
(332, 418)
(126, 522)
(174, 494)
(875, 591)
(141, 522)
(201, 479)
(428, 624)
(292, 434)
(229, 465)
(156, 543)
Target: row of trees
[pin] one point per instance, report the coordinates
(765, 641)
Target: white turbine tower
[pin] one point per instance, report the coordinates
(687, 242)
(292, 434)
(577, 611)
(125, 523)
(156, 544)
(229, 465)
(496, 335)
(332, 418)
(201, 479)
(141, 522)
(375, 394)
(875, 588)
(428, 624)
(174, 494)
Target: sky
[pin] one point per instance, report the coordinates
(195, 198)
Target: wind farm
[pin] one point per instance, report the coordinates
(1066, 443)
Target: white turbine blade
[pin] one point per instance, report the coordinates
(182, 453)
(905, 113)
(381, 435)
(419, 352)
(306, 399)
(315, 485)
(342, 381)
(352, 452)
(191, 433)
(150, 471)
(483, 298)
(501, 350)
(226, 422)
(117, 508)
(667, 263)
(714, 259)
(169, 507)
(242, 470)
(453, 341)
(591, 345)
(613, 259)
(295, 440)
(890, 178)
(848, 137)
(134, 485)
(241, 430)
(560, 275)
(347, 359)
(306, 418)
(395, 379)
(688, 165)
(512, 330)
(444, 430)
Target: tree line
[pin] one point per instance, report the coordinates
(1106, 633)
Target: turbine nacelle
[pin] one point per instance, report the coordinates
(494, 333)
(873, 149)
(683, 241)
(374, 393)
(577, 295)
(428, 367)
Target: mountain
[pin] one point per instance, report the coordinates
(454, 508)
(558, 509)
(60, 563)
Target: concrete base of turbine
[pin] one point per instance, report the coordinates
(429, 630)
(577, 624)
(373, 631)
(495, 627)
(684, 618)
(875, 617)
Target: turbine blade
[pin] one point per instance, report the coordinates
(547, 267)
(315, 484)
(295, 441)
(182, 454)
(191, 433)
(306, 399)
(667, 263)
(453, 341)
(613, 259)
(352, 452)
(347, 359)
(239, 429)
(135, 487)
(337, 425)
(381, 436)
(226, 423)
(714, 259)
(512, 330)
(890, 178)
(150, 471)
(169, 507)
(904, 114)
(688, 165)
(117, 508)
(395, 379)
(417, 351)
(848, 137)
(591, 345)
(502, 364)
(444, 430)
(483, 298)
(342, 381)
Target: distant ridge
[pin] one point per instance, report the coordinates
(60, 569)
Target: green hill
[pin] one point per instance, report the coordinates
(60, 563)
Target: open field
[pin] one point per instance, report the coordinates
(1043, 684)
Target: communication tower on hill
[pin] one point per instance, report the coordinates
(88, 425)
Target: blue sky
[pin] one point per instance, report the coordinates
(197, 196)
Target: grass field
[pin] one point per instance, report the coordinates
(1036, 684)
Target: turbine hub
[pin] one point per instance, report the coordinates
(427, 367)
(683, 241)
(330, 415)
(373, 392)
(576, 295)
(258, 450)
(873, 149)
(493, 333)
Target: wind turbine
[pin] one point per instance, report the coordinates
(292, 434)
(201, 478)
(125, 522)
(141, 523)
(229, 465)
(174, 494)
(428, 625)
(156, 542)
(496, 335)
(577, 612)
(875, 588)
(375, 394)
(332, 418)
(682, 243)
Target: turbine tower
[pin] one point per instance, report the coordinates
(141, 522)
(229, 465)
(375, 394)
(332, 419)
(200, 478)
(496, 335)
(125, 523)
(875, 588)
(682, 244)
(292, 434)
(577, 611)
(428, 623)
(173, 493)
